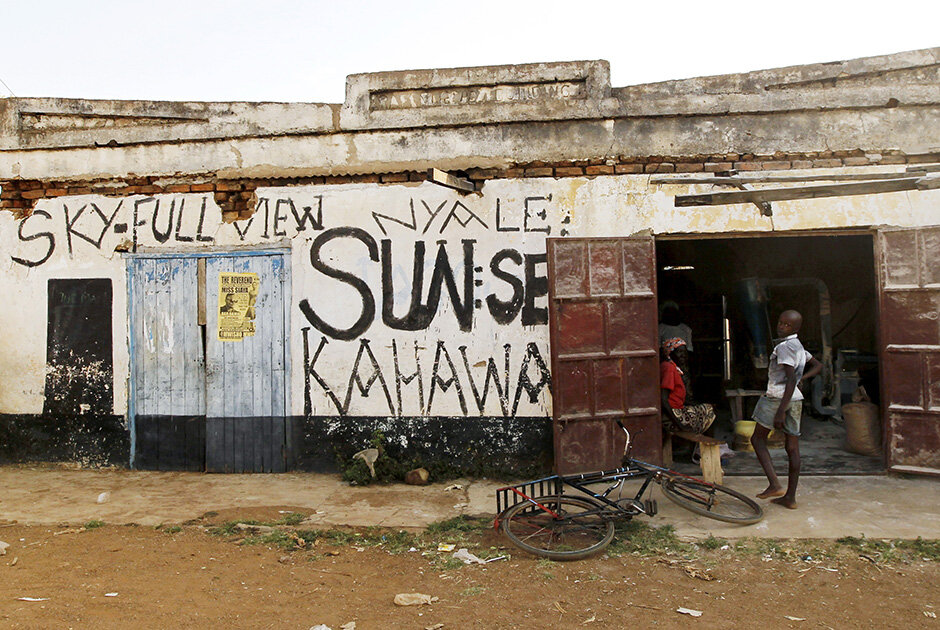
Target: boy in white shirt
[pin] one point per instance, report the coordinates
(781, 407)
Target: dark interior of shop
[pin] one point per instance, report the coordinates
(730, 291)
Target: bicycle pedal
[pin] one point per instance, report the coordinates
(650, 506)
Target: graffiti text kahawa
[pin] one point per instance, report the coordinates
(413, 384)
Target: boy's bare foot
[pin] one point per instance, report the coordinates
(771, 492)
(786, 502)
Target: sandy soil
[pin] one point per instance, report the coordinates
(162, 578)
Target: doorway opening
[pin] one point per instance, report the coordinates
(730, 290)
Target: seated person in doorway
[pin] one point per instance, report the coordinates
(677, 414)
(671, 327)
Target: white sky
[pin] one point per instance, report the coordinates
(290, 50)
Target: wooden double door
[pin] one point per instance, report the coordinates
(208, 382)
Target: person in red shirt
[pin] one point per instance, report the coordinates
(677, 416)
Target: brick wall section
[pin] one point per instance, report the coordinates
(237, 197)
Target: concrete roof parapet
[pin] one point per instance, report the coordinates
(485, 94)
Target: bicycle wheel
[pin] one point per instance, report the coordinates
(712, 500)
(575, 531)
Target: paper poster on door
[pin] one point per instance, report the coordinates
(237, 295)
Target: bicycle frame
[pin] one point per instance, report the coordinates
(555, 484)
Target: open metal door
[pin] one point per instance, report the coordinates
(605, 364)
(909, 281)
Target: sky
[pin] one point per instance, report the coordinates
(295, 51)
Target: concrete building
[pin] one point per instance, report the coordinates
(260, 286)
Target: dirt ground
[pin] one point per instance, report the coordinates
(114, 576)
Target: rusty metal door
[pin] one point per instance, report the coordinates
(605, 364)
(909, 281)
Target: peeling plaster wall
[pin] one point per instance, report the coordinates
(351, 219)
(476, 348)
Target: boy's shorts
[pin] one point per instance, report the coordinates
(766, 409)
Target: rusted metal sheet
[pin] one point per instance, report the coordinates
(909, 280)
(602, 318)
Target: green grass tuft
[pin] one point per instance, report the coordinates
(94, 524)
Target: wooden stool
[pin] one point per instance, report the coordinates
(709, 449)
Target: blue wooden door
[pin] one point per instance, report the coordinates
(246, 397)
(167, 402)
(197, 402)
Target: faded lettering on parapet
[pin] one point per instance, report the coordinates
(452, 380)
(471, 95)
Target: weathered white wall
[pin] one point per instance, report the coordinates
(510, 216)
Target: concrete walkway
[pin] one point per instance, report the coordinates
(876, 506)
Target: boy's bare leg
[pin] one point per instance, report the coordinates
(793, 474)
(759, 442)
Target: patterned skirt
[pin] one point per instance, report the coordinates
(691, 418)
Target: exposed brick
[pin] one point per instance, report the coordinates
(514, 172)
(178, 188)
(748, 166)
(483, 173)
(625, 169)
(540, 171)
(923, 159)
(56, 192)
(690, 167)
(150, 190)
(801, 164)
(6, 203)
(714, 167)
(893, 159)
(776, 165)
(32, 194)
(228, 185)
(31, 185)
(596, 161)
(202, 187)
(856, 161)
(80, 190)
(827, 163)
(599, 169)
(662, 167)
(568, 171)
(392, 178)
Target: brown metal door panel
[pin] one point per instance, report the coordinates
(602, 322)
(570, 262)
(577, 448)
(641, 398)
(580, 328)
(604, 263)
(909, 282)
(572, 387)
(904, 376)
(626, 336)
(914, 445)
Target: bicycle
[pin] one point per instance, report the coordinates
(562, 526)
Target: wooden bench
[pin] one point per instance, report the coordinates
(709, 449)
